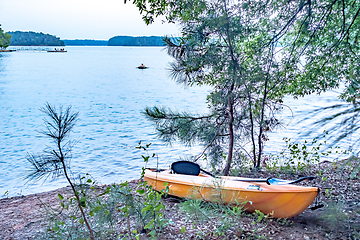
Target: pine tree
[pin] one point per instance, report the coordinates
(229, 45)
(219, 48)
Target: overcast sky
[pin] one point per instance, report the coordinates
(79, 19)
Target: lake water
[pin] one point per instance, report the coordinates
(103, 84)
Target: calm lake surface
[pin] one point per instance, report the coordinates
(103, 84)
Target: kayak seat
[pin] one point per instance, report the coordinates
(185, 167)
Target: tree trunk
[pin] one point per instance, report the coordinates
(231, 138)
(252, 130)
(230, 100)
(260, 140)
(62, 159)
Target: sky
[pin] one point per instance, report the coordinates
(79, 19)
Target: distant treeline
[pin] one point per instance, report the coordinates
(19, 38)
(118, 41)
(136, 41)
(85, 42)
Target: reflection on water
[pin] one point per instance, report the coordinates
(3, 62)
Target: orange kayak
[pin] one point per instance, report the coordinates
(280, 201)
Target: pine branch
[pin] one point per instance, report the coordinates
(55, 162)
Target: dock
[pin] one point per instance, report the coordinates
(34, 49)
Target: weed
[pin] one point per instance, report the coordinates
(196, 210)
(152, 204)
(260, 216)
(285, 222)
(334, 215)
(297, 157)
(67, 222)
(352, 163)
(132, 209)
(228, 216)
(6, 194)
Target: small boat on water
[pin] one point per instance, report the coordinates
(57, 50)
(142, 66)
(280, 199)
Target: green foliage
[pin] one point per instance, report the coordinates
(136, 41)
(156, 8)
(85, 42)
(220, 48)
(326, 33)
(197, 209)
(139, 207)
(224, 47)
(118, 41)
(350, 166)
(4, 39)
(346, 119)
(153, 207)
(322, 42)
(55, 162)
(319, 39)
(225, 217)
(146, 205)
(260, 216)
(285, 222)
(67, 221)
(6, 193)
(34, 39)
(301, 157)
(353, 162)
(242, 164)
(92, 208)
(334, 215)
(180, 125)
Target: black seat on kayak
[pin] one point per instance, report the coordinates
(185, 167)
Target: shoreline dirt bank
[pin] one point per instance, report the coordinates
(22, 217)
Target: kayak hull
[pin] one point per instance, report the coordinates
(280, 201)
